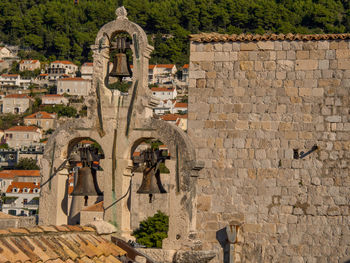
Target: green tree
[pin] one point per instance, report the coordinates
(153, 230)
(27, 164)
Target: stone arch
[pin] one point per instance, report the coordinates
(182, 202)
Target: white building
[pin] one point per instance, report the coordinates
(164, 93)
(180, 107)
(22, 199)
(74, 86)
(87, 70)
(185, 75)
(19, 136)
(16, 103)
(14, 80)
(164, 106)
(165, 73)
(5, 53)
(54, 99)
(8, 176)
(29, 64)
(62, 67)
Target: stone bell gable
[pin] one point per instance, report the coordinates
(268, 116)
(118, 122)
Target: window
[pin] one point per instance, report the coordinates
(35, 190)
(14, 190)
(12, 212)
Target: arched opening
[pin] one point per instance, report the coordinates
(153, 180)
(119, 68)
(85, 181)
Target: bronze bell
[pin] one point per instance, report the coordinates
(151, 183)
(121, 66)
(86, 183)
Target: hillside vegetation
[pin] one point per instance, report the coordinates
(63, 30)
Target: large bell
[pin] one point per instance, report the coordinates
(151, 183)
(86, 183)
(121, 67)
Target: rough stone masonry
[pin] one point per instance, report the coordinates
(256, 103)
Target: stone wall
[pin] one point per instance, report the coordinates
(250, 105)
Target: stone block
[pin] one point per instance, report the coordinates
(344, 64)
(204, 203)
(333, 118)
(202, 56)
(305, 92)
(246, 65)
(266, 45)
(248, 46)
(323, 44)
(302, 54)
(306, 64)
(292, 92)
(197, 74)
(222, 56)
(241, 125)
(342, 53)
(318, 92)
(270, 65)
(323, 64)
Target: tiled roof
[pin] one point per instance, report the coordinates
(43, 74)
(10, 174)
(23, 129)
(95, 208)
(88, 64)
(9, 75)
(216, 37)
(185, 66)
(57, 244)
(41, 115)
(165, 66)
(181, 105)
(173, 117)
(28, 60)
(63, 62)
(162, 89)
(21, 185)
(73, 79)
(17, 96)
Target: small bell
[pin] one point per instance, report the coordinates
(86, 183)
(121, 67)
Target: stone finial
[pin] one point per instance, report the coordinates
(102, 227)
(121, 13)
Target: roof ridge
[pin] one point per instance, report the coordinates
(52, 229)
(216, 37)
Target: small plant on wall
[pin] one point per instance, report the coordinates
(153, 230)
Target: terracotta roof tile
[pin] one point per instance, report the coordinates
(17, 96)
(63, 62)
(88, 64)
(41, 115)
(169, 66)
(22, 185)
(216, 37)
(74, 228)
(9, 75)
(25, 245)
(23, 129)
(173, 117)
(181, 105)
(53, 95)
(32, 61)
(48, 228)
(186, 66)
(13, 173)
(162, 89)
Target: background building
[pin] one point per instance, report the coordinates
(74, 86)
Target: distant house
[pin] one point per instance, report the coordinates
(87, 70)
(164, 93)
(164, 106)
(29, 64)
(42, 119)
(54, 99)
(13, 80)
(4, 64)
(5, 53)
(18, 136)
(185, 73)
(165, 72)
(151, 74)
(180, 107)
(74, 86)
(22, 199)
(9, 176)
(61, 69)
(16, 103)
(176, 119)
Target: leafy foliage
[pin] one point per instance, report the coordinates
(153, 230)
(52, 29)
(27, 164)
(61, 110)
